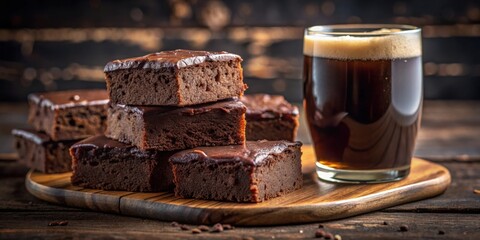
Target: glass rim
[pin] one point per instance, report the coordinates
(333, 29)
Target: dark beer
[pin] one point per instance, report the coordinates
(363, 110)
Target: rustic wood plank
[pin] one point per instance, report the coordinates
(17, 225)
(316, 201)
(459, 197)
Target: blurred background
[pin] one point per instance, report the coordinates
(52, 45)
(56, 45)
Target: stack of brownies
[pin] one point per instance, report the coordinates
(59, 119)
(175, 121)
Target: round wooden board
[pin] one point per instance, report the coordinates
(316, 201)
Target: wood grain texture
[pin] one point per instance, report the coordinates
(316, 201)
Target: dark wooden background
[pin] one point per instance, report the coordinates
(51, 45)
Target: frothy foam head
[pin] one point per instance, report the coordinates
(393, 45)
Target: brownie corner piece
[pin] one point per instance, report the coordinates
(256, 172)
(102, 163)
(175, 78)
(37, 151)
(66, 115)
(174, 128)
(270, 117)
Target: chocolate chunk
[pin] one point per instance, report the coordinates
(441, 232)
(63, 118)
(385, 223)
(238, 173)
(320, 225)
(175, 78)
(102, 163)
(173, 128)
(403, 228)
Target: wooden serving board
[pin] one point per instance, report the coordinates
(316, 201)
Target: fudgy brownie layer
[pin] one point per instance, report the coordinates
(270, 117)
(67, 115)
(37, 151)
(174, 128)
(175, 78)
(271, 129)
(252, 173)
(102, 163)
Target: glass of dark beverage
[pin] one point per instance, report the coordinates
(363, 99)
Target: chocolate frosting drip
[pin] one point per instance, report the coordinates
(264, 106)
(100, 142)
(179, 58)
(72, 98)
(253, 153)
(225, 105)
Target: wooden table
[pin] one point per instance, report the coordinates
(450, 135)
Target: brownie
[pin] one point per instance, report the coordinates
(38, 151)
(67, 115)
(173, 128)
(254, 172)
(102, 163)
(175, 78)
(270, 117)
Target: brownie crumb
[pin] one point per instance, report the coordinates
(319, 233)
(403, 228)
(57, 223)
(203, 228)
(328, 236)
(441, 232)
(196, 231)
(217, 228)
(320, 225)
(227, 227)
(174, 224)
(63, 223)
(385, 223)
(337, 237)
(248, 238)
(184, 227)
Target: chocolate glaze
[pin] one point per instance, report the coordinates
(71, 98)
(100, 141)
(225, 105)
(179, 58)
(264, 106)
(36, 137)
(253, 153)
